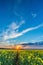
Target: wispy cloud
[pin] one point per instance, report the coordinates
(15, 34)
(18, 15)
(14, 25)
(34, 15)
(41, 36)
(19, 1)
(12, 30)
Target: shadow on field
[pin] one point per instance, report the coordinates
(15, 61)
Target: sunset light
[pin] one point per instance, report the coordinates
(18, 47)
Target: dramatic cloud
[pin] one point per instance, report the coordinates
(15, 34)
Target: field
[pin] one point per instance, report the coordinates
(21, 57)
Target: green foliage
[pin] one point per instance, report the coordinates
(31, 57)
(7, 57)
(26, 57)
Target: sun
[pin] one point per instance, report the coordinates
(18, 47)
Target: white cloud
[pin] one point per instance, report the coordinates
(12, 30)
(14, 26)
(15, 34)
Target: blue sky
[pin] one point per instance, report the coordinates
(21, 21)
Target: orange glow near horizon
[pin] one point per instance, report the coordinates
(18, 47)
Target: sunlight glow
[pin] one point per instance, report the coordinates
(18, 47)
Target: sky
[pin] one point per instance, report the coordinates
(21, 21)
